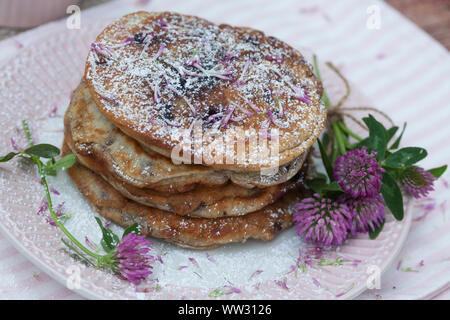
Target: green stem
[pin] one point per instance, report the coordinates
(334, 154)
(347, 144)
(77, 253)
(325, 98)
(55, 217)
(26, 128)
(344, 128)
(339, 138)
(49, 199)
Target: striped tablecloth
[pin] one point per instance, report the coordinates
(398, 66)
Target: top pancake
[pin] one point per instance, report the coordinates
(154, 74)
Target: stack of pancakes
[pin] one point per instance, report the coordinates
(150, 79)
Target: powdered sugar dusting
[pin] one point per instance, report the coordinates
(157, 73)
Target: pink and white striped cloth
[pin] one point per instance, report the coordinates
(398, 66)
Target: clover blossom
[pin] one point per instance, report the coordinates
(417, 182)
(322, 221)
(367, 213)
(358, 173)
(130, 259)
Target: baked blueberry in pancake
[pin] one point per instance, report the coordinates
(154, 74)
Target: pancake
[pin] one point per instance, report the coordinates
(209, 202)
(108, 151)
(197, 233)
(204, 201)
(156, 74)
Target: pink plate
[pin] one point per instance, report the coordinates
(36, 86)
